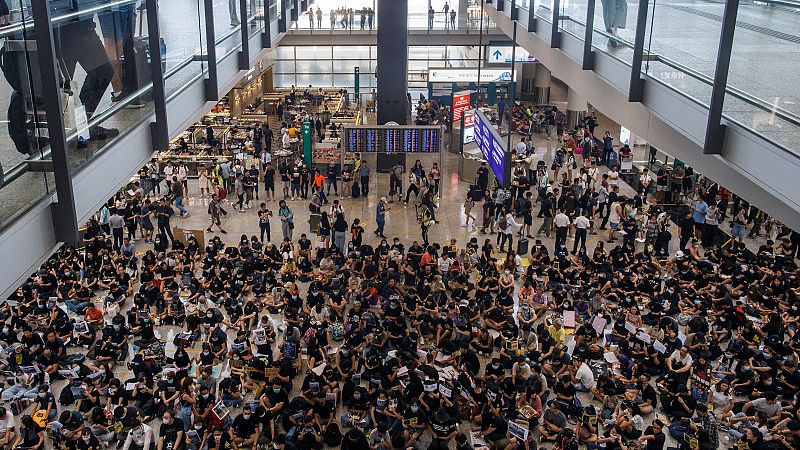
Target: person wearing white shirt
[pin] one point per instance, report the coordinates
(562, 222)
(645, 180)
(507, 233)
(285, 141)
(336, 208)
(594, 174)
(581, 224)
(613, 176)
(140, 437)
(7, 431)
(582, 375)
(522, 148)
(444, 263)
(533, 162)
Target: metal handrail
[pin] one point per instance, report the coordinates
(16, 28)
(24, 167)
(779, 112)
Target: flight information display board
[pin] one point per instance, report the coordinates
(410, 141)
(393, 139)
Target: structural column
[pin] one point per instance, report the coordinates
(576, 107)
(527, 74)
(463, 14)
(541, 85)
(392, 72)
(392, 66)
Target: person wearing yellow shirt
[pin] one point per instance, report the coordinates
(557, 331)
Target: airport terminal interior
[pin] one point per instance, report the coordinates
(399, 224)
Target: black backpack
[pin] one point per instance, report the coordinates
(65, 398)
(333, 436)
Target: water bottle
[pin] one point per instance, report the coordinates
(163, 47)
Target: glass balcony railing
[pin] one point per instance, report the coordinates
(364, 19)
(680, 51)
(103, 57)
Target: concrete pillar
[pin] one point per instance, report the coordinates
(462, 14)
(528, 73)
(392, 72)
(541, 85)
(576, 107)
(235, 103)
(518, 79)
(392, 68)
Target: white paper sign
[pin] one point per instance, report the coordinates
(517, 430)
(319, 369)
(447, 392)
(659, 347)
(599, 324)
(610, 357)
(644, 337)
(569, 319)
(630, 327)
(260, 336)
(81, 122)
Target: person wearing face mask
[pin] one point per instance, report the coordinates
(88, 441)
(356, 409)
(415, 422)
(273, 400)
(197, 437)
(45, 401)
(204, 359)
(243, 431)
(140, 437)
(171, 432)
(744, 381)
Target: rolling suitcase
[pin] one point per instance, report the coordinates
(522, 246)
(476, 193)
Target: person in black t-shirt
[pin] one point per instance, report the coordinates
(171, 432)
(243, 432)
(654, 436)
(443, 429)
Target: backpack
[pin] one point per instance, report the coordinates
(503, 224)
(65, 398)
(223, 193)
(333, 436)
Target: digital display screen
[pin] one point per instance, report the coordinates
(468, 127)
(411, 141)
(393, 140)
(491, 146)
(430, 141)
(354, 140)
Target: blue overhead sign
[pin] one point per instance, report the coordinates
(505, 54)
(491, 145)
